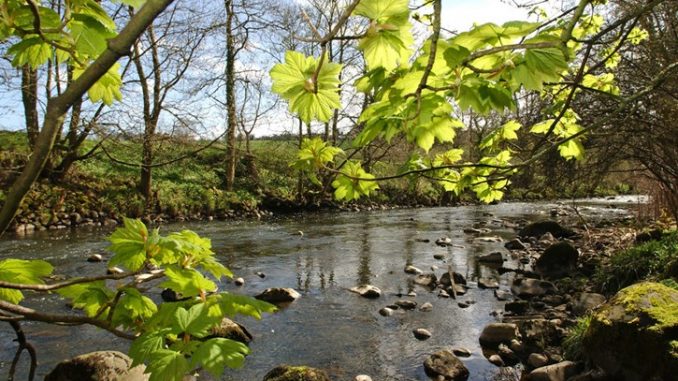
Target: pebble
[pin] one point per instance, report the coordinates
(95, 258)
(537, 360)
(386, 311)
(239, 281)
(421, 334)
(363, 377)
(114, 270)
(260, 274)
(461, 352)
(426, 307)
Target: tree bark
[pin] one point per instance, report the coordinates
(58, 106)
(29, 98)
(230, 98)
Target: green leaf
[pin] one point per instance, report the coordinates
(167, 365)
(382, 10)
(188, 282)
(21, 271)
(90, 297)
(227, 304)
(455, 55)
(386, 48)
(90, 34)
(128, 243)
(349, 185)
(133, 308)
(571, 149)
(314, 154)
(546, 63)
(293, 80)
(214, 354)
(195, 321)
(32, 51)
(134, 3)
(542, 127)
(143, 346)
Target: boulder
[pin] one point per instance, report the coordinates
(279, 295)
(634, 336)
(444, 365)
(558, 260)
(586, 302)
(497, 333)
(515, 244)
(228, 329)
(296, 373)
(540, 228)
(101, 366)
(495, 257)
(556, 372)
(367, 291)
(529, 287)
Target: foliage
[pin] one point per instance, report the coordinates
(654, 260)
(171, 338)
(572, 344)
(481, 70)
(76, 37)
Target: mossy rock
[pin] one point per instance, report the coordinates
(296, 373)
(634, 337)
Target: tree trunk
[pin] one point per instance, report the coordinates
(230, 98)
(29, 97)
(58, 107)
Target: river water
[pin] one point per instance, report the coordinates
(328, 327)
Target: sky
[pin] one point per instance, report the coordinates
(458, 15)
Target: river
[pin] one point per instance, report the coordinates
(328, 327)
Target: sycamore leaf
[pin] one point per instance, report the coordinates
(213, 354)
(143, 346)
(167, 365)
(22, 272)
(195, 321)
(134, 3)
(90, 297)
(188, 282)
(128, 243)
(90, 34)
(382, 10)
(32, 51)
(571, 149)
(228, 304)
(293, 80)
(133, 308)
(314, 154)
(349, 185)
(107, 88)
(449, 157)
(386, 48)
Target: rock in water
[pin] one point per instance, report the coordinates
(540, 228)
(228, 329)
(426, 280)
(422, 334)
(497, 333)
(515, 244)
(446, 366)
(558, 260)
(102, 366)
(634, 336)
(279, 295)
(409, 269)
(367, 291)
(495, 257)
(296, 373)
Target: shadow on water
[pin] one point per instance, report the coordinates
(328, 327)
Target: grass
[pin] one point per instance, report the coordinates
(573, 342)
(653, 260)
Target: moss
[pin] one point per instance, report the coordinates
(659, 302)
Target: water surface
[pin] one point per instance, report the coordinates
(328, 327)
